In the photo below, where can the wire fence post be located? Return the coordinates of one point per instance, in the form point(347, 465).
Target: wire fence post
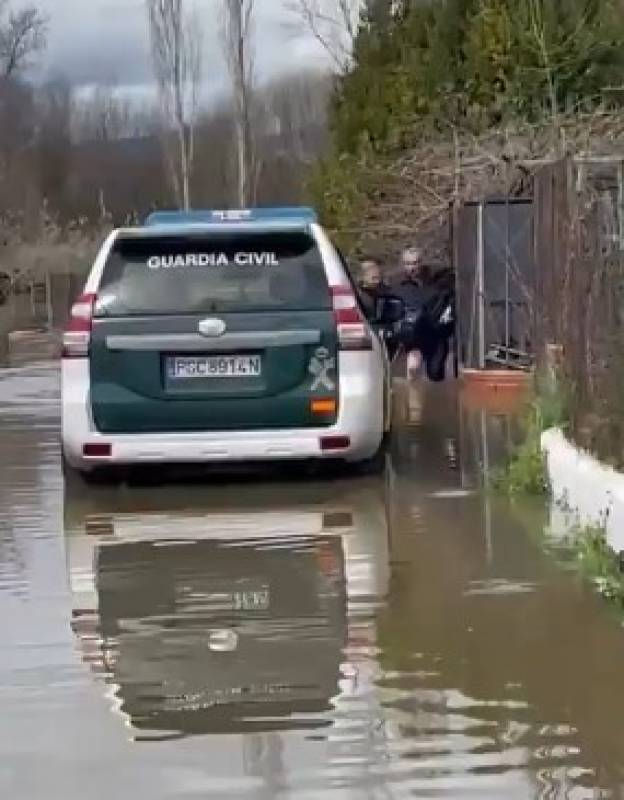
point(507, 292)
point(481, 284)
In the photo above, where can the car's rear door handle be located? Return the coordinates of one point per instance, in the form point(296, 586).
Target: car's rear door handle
point(229, 342)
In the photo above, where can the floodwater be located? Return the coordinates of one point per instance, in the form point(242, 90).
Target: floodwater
point(393, 637)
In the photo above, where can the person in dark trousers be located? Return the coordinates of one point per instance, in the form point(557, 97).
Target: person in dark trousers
point(426, 328)
point(440, 312)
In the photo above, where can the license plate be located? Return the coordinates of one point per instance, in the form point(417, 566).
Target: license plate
point(185, 367)
point(251, 601)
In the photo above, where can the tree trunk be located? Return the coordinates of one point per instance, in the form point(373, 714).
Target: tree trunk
point(242, 164)
point(184, 170)
point(242, 124)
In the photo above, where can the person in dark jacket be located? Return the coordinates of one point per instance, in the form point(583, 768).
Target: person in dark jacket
point(414, 283)
point(371, 287)
point(371, 284)
point(440, 311)
point(412, 288)
point(424, 331)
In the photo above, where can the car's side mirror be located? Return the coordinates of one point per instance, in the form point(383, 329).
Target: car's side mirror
point(389, 309)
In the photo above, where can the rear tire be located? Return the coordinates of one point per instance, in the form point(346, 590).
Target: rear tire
point(102, 476)
point(376, 464)
point(99, 476)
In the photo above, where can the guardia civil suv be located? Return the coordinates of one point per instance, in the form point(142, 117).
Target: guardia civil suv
point(222, 337)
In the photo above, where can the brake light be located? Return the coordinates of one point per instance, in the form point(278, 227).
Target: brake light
point(353, 330)
point(97, 450)
point(77, 334)
point(335, 443)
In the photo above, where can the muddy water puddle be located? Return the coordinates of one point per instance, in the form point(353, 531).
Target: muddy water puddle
point(392, 637)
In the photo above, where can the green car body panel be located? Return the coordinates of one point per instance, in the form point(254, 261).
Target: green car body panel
point(131, 391)
point(199, 296)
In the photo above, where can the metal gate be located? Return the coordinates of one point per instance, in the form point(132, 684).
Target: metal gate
point(495, 272)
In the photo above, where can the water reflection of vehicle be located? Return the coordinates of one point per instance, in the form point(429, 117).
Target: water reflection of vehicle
point(224, 610)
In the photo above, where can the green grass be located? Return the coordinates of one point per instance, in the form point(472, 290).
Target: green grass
point(599, 563)
point(526, 472)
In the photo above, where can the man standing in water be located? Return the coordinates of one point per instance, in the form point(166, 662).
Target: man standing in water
point(428, 325)
point(415, 291)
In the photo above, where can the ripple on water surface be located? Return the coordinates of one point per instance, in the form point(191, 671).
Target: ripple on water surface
point(367, 638)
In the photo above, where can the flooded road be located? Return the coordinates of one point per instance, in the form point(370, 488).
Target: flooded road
point(392, 637)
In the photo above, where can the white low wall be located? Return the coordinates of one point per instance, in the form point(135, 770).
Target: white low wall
point(585, 491)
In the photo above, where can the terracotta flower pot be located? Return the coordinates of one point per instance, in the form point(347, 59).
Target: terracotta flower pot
point(494, 389)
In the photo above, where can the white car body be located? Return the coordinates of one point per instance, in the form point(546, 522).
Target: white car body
point(363, 416)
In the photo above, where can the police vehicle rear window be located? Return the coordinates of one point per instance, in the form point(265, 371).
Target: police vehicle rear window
point(195, 274)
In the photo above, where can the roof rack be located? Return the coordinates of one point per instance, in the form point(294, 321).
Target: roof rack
point(292, 214)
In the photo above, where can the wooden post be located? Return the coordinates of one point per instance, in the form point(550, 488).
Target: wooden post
point(5, 327)
point(49, 305)
point(553, 363)
point(620, 175)
point(4, 346)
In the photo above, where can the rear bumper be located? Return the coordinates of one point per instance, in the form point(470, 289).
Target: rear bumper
point(361, 418)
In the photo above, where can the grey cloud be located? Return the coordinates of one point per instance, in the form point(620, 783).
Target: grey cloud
point(106, 41)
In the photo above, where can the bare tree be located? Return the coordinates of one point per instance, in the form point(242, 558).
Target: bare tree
point(18, 123)
point(23, 33)
point(106, 115)
point(176, 56)
point(237, 24)
point(297, 112)
point(54, 146)
point(333, 23)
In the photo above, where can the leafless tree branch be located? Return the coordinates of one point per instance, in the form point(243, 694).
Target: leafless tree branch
point(333, 23)
point(237, 28)
point(23, 33)
point(176, 40)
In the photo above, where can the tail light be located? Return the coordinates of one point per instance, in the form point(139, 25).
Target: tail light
point(335, 443)
point(353, 330)
point(77, 334)
point(97, 450)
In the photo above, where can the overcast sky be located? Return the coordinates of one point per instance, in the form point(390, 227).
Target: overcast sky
point(106, 41)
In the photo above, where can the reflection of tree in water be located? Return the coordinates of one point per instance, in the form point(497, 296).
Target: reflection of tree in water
point(12, 562)
point(12, 557)
point(28, 499)
point(263, 758)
